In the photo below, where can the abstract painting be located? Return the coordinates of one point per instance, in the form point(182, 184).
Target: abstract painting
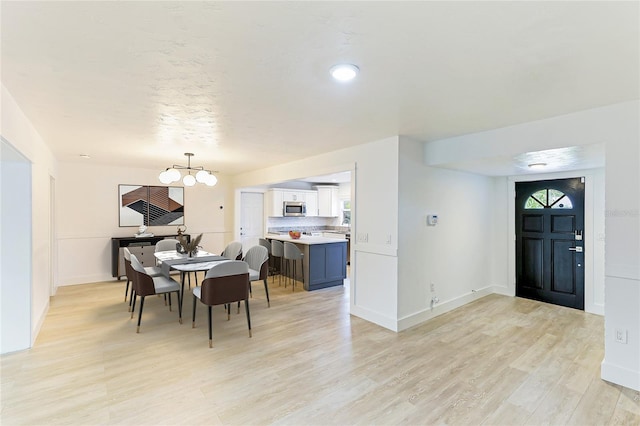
point(151, 205)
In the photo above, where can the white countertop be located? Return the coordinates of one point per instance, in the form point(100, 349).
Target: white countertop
point(305, 239)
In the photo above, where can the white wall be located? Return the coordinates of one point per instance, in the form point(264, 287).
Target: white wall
point(18, 131)
point(15, 250)
point(617, 126)
point(374, 181)
point(455, 254)
point(87, 214)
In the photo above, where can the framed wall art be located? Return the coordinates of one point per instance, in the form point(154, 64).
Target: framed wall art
point(150, 205)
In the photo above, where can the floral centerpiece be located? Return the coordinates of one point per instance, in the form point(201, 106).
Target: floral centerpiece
point(190, 247)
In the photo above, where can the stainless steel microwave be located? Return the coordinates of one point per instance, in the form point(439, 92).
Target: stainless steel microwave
point(294, 208)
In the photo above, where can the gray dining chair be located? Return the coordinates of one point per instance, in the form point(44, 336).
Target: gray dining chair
point(257, 258)
point(154, 271)
point(146, 285)
point(233, 251)
point(167, 244)
point(223, 284)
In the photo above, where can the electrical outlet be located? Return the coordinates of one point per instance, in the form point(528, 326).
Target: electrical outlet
point(433, 288)
point(389, 239)
point(363, 237)
point(621, 336)
point(434, 300)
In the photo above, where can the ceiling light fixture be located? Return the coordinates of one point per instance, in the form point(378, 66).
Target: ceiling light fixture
point(344, 72)
point(537, 166)
point(172, 174)
point(85, 156)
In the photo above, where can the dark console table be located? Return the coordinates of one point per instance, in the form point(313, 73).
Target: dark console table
point(142, 248)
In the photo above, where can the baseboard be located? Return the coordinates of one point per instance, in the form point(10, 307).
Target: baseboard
point(505, 291)
point(86, 279)
point(374, 317)
point(39, 323)
point(620, 376)
point(441, 308)
point(595, 309)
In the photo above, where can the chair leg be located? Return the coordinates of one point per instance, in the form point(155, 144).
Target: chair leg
point(140, 313)
point(126, 290)
point(180, 307)
point(293, 284)
point(193, 321)
point(238, 307)
point(165, 299)
point(266, 290)
point(169, 296)
point(131, 294)
point(228, 306)
point(210, 329)
point(133, 306)
point(246, 308)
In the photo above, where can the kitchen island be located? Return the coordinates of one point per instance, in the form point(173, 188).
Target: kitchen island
point(324, 263)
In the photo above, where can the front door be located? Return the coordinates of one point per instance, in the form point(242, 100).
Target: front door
point(550, 241)
point(251, 219)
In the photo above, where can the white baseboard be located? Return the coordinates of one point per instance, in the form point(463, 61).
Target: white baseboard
point(86, 279)
point(441, 308)
point(620, 376)
point(505, 291)
point(39, 322)
point(374, 317)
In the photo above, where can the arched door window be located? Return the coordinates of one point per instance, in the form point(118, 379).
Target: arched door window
point(548, 199)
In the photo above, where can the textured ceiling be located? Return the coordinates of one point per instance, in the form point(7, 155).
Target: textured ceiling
point(244, 85)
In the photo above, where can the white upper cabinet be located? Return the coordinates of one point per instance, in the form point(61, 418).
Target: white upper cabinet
point(311, 198)
point(275, 197)
point(328, 201)
point(273, 202)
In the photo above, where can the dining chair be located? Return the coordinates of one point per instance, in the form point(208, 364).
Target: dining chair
point(257, 258)
point(154, 271)
point(293, 253)
point(166, 244)
point(233, 251)
point(146, 285)
point(223, 284)
point(277, 251)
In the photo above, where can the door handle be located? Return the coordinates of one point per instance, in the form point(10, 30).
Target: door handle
point(576, 249)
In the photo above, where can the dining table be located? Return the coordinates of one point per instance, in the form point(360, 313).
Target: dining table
point(173, 260)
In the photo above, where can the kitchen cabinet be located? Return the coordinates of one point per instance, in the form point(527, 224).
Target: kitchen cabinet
point(328, 201)
point(275, 197)
point(273, 202)
point(311, 199)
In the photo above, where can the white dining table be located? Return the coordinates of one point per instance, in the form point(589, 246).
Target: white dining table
point(202, 261)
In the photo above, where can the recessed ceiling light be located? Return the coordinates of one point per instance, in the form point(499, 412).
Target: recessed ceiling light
point(537, 166)
point(344, 72)
point(85, 156)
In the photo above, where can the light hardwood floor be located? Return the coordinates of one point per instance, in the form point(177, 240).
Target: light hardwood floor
point(497, 361)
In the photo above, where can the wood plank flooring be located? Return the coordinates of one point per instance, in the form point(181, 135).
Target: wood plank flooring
point(497, 361)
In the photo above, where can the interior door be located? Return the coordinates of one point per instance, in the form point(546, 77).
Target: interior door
point(549, 241)
point(251, 219)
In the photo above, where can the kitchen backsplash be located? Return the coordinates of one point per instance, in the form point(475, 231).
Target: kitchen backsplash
point(304, 224)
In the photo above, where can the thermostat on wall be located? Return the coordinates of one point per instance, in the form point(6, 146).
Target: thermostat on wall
point(432, 219)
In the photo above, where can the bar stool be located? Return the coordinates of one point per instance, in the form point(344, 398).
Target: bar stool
point(266, 244)
point(292, 252)
point(277, 252)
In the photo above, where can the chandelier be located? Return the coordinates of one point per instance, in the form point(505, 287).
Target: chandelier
point(172, 174)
